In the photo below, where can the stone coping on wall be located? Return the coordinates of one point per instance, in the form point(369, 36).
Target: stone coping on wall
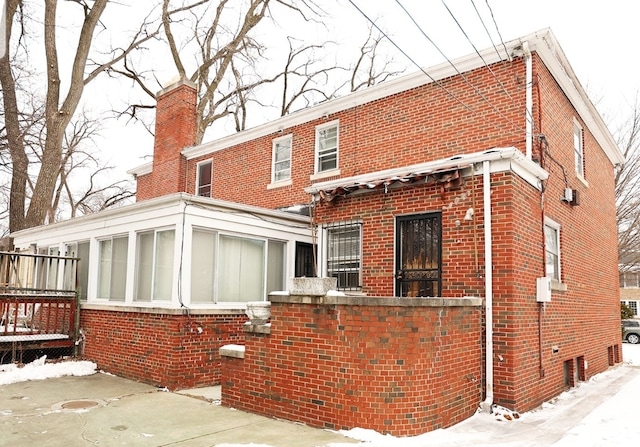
point(358, 300)
point(163, 310)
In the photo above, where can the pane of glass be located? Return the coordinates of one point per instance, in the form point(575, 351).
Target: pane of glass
point(275, 266)
point(119, 268)
point(163, 274)
point(202, 266)
point(241, 270)
point(104, 269)
point(52, 269)
point(83, 269)
point(145, 266)
point(283, 150)
point(204, 179)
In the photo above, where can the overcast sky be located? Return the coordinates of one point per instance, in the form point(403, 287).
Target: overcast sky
point(599, 38)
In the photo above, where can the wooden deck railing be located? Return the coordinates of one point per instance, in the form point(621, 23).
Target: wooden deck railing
point(38, 302)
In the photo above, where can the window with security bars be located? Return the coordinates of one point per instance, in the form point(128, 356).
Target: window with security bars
point(327, 147)
point(344, 254)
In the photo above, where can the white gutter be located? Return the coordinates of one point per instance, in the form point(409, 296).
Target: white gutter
point(488, 285)
point(528, 99)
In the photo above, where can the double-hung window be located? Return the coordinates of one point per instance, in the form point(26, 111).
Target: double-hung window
point(205, 174)
point(578, 148)
point(154, 275)
point(344, 254)
point(552, 249)
point(112, 270)
point(326, 147)
point(281, 168)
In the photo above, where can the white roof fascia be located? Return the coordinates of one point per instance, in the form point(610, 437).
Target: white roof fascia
point(157, 208)
point(378, 91)
point(547, 47)
point(502, 159)
point(146, 168)
point(542, 42)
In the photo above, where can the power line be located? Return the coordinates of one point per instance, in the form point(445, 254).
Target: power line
point(410, 58)
point(462, 74)
point(497, 30)
point(439, 84)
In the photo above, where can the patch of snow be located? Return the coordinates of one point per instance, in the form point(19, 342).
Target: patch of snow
point(40, 370)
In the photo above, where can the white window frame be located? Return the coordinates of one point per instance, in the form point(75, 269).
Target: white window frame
point(99, 269)
point(217, 258)
point(153, 293)
point(319, 130)
point(274, 162)
point(556, 227)
point(578, 148)
point(198, 179)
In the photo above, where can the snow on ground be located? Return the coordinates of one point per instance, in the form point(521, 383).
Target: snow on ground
point(599, 412)
point(39, 370)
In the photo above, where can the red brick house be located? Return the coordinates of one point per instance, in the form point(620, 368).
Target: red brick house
point(467, 212)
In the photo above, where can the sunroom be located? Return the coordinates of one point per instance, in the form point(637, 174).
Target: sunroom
point(177, 251)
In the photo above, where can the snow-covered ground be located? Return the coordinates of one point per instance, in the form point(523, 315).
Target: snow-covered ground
point(600, 412)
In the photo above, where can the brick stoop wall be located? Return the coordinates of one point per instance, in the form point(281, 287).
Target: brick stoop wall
point(402, 366)
point(162, 347)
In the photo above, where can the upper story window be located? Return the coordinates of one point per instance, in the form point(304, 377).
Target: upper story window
point(552, 249)
point(281, 167)
point(326, 147)
point(112, 270)
point(205, 174)
point(578, 148)
point(630, 280)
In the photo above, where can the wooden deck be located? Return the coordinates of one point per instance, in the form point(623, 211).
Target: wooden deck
point(38, 306)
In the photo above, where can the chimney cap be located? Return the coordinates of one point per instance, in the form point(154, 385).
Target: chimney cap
point(174, 83)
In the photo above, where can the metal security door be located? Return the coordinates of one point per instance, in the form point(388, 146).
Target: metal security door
point(419, 255)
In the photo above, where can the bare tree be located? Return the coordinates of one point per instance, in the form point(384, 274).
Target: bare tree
point(628, 191)
point(371, 67)
point(59, 104)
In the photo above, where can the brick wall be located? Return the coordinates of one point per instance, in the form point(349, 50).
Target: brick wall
point(398, 366)
point(169, 349)
point(175, 130)
point(418, 125)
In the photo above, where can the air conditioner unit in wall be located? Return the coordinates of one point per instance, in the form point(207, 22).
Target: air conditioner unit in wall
point(543, 294)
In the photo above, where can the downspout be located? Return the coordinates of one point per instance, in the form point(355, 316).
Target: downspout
point(488, 287)
point(528, 99)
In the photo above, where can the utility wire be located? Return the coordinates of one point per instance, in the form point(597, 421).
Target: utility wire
point(439, 84)
point(515, 126)
point(488, 33)
point(373, 23)
point(498, 31)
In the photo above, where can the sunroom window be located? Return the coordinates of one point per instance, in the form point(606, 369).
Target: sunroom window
point(154, 276)
point(112, 270)
point(228, 268)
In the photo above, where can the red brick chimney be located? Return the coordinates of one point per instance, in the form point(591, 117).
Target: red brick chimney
point(175, 130)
